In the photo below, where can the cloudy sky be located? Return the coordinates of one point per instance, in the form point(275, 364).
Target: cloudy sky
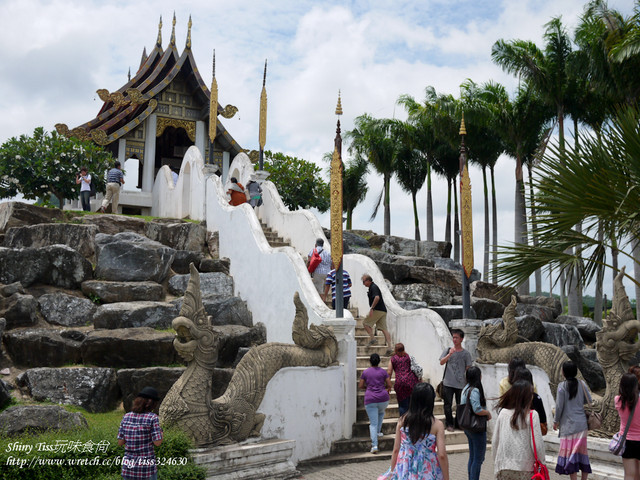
point(55, 54)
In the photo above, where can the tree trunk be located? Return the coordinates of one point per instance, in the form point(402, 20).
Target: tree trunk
point(520, 224)
point(447, 228)
point(415, 216)
point(494, 219)
point(574, 293)
point(429, 206)
point(636, 274)
point(597, 305)
point(349, 217)
point(387, 206)
point(485, 259)
point(534, 236)
point(456, 223)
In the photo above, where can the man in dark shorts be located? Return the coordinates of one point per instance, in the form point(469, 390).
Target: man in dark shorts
point(458, 360)
point(377, 316)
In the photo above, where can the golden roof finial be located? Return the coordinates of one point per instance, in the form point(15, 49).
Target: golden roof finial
point(173, 30)
point(129, 75)
point(463, 130)
point(264, 76)
point(189, 33)
point(159, 41)
point(339, 105)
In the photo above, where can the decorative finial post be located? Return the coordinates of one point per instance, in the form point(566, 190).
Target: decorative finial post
point(173, 30)
point(159, 40)
point(213, 110)
point(262, 134)
point(188, 45)
point(336, 213)
point(466, 227)
point(129, 75)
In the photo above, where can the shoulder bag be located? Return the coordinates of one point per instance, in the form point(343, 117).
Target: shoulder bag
point(440, 387)
point(594, 419)
point(315, 260)
point(416, 368)
point(619, 442)
point(540, 470)
point(468, 419)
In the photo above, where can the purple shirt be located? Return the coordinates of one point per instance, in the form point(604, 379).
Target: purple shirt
point(376, 392)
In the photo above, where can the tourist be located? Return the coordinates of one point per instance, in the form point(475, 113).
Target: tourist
point(625, 402)
point(419, 450)
point(474, 393)
point(377, 316)
point(115, 178)
point(255, 193)
point(635, 369)
point(375, 381)
point(514, 364)
point(319, 265)
point(174, 176)
point(536, 404)
point(84, 179)
point(236, 191)
point(457, 360)
point(330, 282)
point(511, 443)
point(406, 380)
point(139, 431)
point(572, 420)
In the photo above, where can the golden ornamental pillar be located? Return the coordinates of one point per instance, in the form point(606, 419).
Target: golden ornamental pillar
point(467, 223)
point(336, 213)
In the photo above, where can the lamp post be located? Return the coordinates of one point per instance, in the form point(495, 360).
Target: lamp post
point(336, 213)
point(466, 224)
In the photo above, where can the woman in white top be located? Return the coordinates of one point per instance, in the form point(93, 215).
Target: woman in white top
point(512, 443)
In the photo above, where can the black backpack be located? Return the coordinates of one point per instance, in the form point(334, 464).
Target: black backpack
point(92, 187)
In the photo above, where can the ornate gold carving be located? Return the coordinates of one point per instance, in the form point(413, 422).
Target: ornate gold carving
point(189, 33)
point(467, 221)
point(99, 136)
point(173, 30)
point(213, 104)
point(262, 136)
point(134, 97)
point(164, 122)
point(336, 208)
point(63, 130)
point(159, 41)
point(79, 133)
point(254, 156)
point(229, 111)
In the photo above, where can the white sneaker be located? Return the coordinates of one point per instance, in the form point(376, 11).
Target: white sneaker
point(380, 434)
point(374, 450)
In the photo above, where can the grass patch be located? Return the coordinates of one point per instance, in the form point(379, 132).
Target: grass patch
point(91, 453)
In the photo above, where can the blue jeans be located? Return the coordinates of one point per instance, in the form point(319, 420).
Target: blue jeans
point(86, 200)
point(477, 449)
point(375, 411)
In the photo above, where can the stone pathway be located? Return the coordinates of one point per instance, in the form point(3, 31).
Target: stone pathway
point(371, 470)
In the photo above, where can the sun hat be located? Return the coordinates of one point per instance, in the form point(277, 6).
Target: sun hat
point(150, 393)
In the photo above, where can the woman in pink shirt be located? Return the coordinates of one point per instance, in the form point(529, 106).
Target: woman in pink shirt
point(624, 402)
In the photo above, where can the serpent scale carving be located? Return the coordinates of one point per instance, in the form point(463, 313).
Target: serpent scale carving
point(233, 417)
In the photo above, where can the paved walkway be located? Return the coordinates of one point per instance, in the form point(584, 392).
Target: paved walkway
point(371, 470)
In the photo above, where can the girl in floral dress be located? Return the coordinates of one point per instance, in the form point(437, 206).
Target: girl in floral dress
point(419, 451)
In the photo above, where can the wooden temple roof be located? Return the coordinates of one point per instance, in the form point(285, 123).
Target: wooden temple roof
point(126, 108)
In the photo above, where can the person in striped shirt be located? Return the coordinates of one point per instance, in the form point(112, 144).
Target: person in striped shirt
point(115, 178)
point(330, 281)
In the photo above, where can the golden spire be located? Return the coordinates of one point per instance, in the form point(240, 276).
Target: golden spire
point(173, 30)
point(339, 105)
point(262, 135)
point(463, 130)
point(189, 34)
point(159, 41)
point(213, 104)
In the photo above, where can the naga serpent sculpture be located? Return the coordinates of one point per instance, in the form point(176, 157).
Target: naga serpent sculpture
point(616, 345)
point(233, 417)
point(497, 344)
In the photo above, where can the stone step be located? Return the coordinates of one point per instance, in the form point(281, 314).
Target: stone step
point(360, 399)
point(361, 427)
point(367, 350)
point(456, 442)
point(363, 340)
point(362, 361)
point(391, 412)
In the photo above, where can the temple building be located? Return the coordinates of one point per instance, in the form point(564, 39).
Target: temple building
point(156, 116)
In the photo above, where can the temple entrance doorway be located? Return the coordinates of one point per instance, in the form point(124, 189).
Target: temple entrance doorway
point(171, 147)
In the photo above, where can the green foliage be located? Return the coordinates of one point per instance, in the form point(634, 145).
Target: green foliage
point(103, 463)
point(46, 164)
point(298, 181)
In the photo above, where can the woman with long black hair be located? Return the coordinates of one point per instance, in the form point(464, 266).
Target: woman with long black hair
point(572, 420)
point(474, 394)
point(419, 451)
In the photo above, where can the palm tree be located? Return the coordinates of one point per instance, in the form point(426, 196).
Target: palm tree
point(370, 140)
point(354, 186)
point(411, 163)
point(520, 124)
point(598, 185)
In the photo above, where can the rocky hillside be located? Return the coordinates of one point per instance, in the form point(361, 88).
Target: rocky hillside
point(86, 304)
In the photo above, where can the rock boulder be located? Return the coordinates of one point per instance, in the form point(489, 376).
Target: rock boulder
point(132, 380)
point(210, 265)
point(112, 292)
point(545, 314)
point(113, 224)
point(66, 310)
point(216, 283)
point(494, 292)
point(421, 292)
point(562, 335)
point(552, 303)
point(179, 236)
point(586, 326)
point(135, 314)
point(19, 310)
point(94, 389)
point(41, 347)
point(18, 214)
point(39, 418)
point(232, 337)
point(79, 237)
point(486, 308)
point(129, 257)
point(406, 246)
